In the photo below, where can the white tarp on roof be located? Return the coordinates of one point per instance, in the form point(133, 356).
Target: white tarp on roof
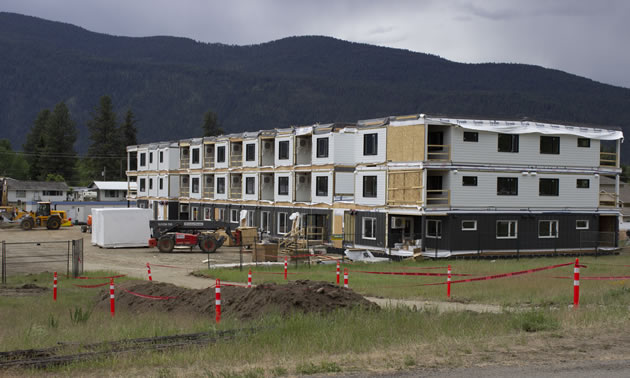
point(526, 127)
point(120, 228)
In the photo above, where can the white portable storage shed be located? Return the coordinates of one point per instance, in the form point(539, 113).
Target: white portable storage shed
point(120, 228)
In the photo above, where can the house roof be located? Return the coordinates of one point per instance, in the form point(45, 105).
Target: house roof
point(108, 185)
point(14, 184)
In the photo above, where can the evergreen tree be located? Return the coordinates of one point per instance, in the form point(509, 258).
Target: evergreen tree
point(12, 164)
point(104, 152)
point(34, 146)
point(211, 126)
point(129, 133)
point(60, 134)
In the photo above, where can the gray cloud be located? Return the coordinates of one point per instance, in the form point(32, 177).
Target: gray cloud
point(583, 37)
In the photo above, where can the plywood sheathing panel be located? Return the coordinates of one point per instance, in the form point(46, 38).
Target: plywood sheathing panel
point(405, 143)
point(404, 188)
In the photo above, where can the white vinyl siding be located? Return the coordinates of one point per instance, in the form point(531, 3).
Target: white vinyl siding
point(329, 192)
point(283, 162)
point(342, 148)
point(344, 183)
point(485, 193)
point(173, 186)
point(254, 196)
point(485, 151)
point(282, 197)
point(253, 163)
point(218, 195)
point(217, 147)
point(381, 146)
point(380, 188)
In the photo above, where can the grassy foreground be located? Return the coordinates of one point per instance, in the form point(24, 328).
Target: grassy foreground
point(343, 341)
point(540, 288)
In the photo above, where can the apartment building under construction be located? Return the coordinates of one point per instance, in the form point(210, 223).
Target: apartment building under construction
point(445, 186)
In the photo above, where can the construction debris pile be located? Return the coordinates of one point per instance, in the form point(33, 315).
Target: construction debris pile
point(238, 302)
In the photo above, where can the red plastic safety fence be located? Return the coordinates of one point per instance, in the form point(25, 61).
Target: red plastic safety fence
point(413, 273)
point(283, 273)
point(156, 297)
point(596, 278)
point(217, 300)
point(504, 275)
point(171, 266)
point(91, 286)
point(55, 287)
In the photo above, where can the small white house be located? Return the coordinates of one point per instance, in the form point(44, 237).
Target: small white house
point(26, 194)
point(109, 191)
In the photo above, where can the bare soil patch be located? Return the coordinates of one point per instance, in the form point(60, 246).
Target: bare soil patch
point(238, 302)
point(28, 289)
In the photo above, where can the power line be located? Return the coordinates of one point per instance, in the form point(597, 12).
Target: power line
point(60, 155)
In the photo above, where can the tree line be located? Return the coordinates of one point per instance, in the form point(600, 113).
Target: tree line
point(49, 150)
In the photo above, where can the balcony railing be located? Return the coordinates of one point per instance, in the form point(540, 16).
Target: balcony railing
point(607, 199)
point(236, 161)
point(439, 198)
point(236, 192)
point(184, 163)
point(440, 152)
point(208, 162)
point(608, 159)
point(208, 192)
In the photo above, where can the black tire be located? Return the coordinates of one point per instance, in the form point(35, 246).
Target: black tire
point(166, 244)
point(27, 224)
point(208, 244)
point(53, 223)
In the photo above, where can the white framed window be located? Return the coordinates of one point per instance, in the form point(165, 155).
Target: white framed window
point(221, 214)
point(183, 208)
point(20, 193)
point(234, 216)
point(369, 228)
point(469, 225)
point(207, 213)
point(194, 215)
point(581, 224)
point(507, 229)
point(264, 221)
point(547, 229)
point(282, 223)
point(434, 229)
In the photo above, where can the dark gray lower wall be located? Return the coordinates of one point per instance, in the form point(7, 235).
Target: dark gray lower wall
point(485, 236)
point(379, 241)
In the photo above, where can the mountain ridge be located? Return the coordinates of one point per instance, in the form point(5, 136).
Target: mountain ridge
point(169, 82)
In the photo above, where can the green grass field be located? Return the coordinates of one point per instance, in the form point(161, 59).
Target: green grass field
point(347, 341)
point(540, 288)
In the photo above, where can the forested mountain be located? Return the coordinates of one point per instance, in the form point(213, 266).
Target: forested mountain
point(170, 83)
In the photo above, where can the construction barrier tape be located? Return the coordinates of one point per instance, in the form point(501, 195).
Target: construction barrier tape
point(147, 296)
point(504, 275)
point(612, 278)
point(414, 268)
point(91, 286)
point(274, 272)
point(414, 273)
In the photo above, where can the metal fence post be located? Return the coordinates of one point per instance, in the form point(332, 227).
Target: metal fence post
point(4, 263)
point(68, 258)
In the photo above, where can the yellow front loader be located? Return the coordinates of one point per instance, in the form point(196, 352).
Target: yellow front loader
point(43, 217)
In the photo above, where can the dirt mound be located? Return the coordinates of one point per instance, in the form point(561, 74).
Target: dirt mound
point(239, 302)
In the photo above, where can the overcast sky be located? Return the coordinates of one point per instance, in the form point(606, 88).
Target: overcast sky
point(589, 38)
